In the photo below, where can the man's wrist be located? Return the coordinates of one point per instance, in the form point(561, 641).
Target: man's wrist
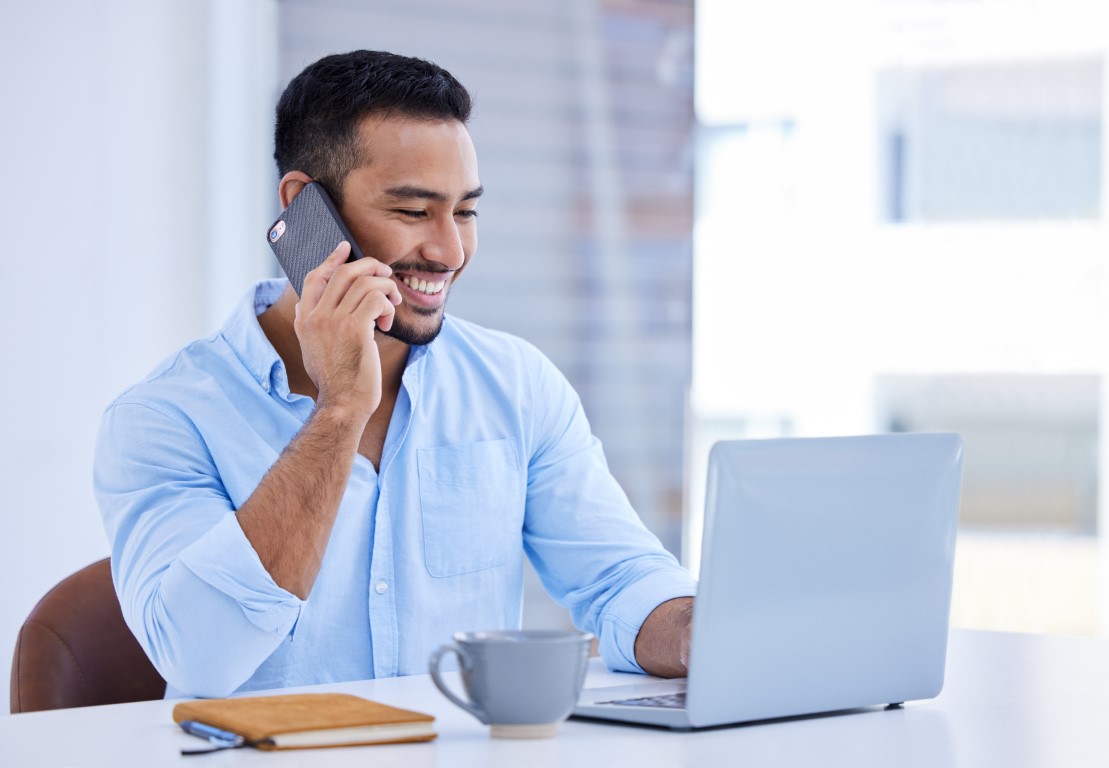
point(659, 644)
point(341, 416)
point(342, 411)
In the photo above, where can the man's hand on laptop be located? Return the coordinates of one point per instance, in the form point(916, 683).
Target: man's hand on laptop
point(662, 646)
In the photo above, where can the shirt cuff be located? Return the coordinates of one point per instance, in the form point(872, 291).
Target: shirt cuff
point(624, 616)
point(225, 559)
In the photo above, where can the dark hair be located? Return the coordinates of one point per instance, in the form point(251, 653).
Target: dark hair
point(319, 113)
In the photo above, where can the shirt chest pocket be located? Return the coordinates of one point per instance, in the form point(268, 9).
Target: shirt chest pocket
point(471, 505)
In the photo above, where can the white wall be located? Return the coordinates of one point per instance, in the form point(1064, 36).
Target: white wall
point(136, 138)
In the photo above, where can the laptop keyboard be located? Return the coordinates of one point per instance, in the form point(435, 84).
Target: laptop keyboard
point(666, 700)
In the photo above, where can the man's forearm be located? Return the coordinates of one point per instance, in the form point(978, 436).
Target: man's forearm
point(662, 645)
point(288, 518)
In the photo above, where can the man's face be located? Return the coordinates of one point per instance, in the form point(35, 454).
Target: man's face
point(412, 207)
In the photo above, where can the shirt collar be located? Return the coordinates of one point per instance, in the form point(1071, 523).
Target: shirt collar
point(246, 338)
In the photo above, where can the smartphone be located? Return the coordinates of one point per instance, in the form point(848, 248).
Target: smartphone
point(307, 232)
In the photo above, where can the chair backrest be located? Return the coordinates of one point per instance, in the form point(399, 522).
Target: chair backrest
point(75, 650)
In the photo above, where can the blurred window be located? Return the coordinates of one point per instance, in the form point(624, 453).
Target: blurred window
point(900, 225)
point(1010, 140)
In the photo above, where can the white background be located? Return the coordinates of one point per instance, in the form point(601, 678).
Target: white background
point(118, 237)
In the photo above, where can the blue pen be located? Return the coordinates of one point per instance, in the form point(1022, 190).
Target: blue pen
point(219, 737)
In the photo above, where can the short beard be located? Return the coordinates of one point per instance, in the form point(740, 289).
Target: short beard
point(416, 336)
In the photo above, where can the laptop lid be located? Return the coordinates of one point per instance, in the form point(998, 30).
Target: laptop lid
point(825, 579)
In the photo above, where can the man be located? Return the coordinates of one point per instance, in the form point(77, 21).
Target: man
point(334, 483)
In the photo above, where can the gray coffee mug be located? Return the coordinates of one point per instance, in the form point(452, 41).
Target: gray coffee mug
point(522, 683)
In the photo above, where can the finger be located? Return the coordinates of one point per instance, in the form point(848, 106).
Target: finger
point(381, 268)
point(360, 287)
point(342, 278)
point(315, 282)
point(376, 308)
point(338, 256)
point(385, 319)
point(394, 293)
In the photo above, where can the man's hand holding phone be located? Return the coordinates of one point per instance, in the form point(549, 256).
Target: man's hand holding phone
point(339, 308)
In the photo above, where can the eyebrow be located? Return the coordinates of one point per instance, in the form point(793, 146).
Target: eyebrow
point(408, 192)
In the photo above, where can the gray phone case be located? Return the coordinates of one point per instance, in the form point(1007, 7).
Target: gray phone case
point(307, 232)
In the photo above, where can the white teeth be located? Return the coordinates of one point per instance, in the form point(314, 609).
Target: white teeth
point(423, 286)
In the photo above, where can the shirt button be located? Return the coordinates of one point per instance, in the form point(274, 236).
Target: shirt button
point(381, 587)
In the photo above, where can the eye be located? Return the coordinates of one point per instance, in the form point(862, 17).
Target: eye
point(469, 213)
point(412, 214)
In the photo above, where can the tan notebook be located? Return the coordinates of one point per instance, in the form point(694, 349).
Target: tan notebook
point(301, 720)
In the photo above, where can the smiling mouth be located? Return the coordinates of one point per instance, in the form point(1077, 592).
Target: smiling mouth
point(424, 286)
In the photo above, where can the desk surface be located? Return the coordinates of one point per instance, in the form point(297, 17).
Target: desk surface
point(1010, 700)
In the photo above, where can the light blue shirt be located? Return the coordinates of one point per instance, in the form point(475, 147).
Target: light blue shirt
point(488, 456)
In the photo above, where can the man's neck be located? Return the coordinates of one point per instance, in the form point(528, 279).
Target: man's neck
point(277, 324)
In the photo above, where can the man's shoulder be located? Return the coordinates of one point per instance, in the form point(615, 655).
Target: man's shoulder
point(187, 373)
point(213, 367)
point(464, 334)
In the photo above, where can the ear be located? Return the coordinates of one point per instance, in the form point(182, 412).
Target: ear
point(290, 186)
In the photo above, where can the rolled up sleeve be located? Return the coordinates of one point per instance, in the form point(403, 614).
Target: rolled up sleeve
point(190, 584)
point(589, 547)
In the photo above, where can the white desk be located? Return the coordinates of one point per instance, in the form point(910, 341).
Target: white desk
point(1010, 701)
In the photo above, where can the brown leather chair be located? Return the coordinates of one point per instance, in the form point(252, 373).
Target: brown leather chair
point(75, 650)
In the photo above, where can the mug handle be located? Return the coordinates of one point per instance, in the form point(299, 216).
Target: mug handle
point(470, 707)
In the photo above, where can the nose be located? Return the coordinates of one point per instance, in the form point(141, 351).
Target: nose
point(446, 245)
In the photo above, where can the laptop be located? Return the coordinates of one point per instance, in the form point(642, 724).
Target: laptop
point(825, 583)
